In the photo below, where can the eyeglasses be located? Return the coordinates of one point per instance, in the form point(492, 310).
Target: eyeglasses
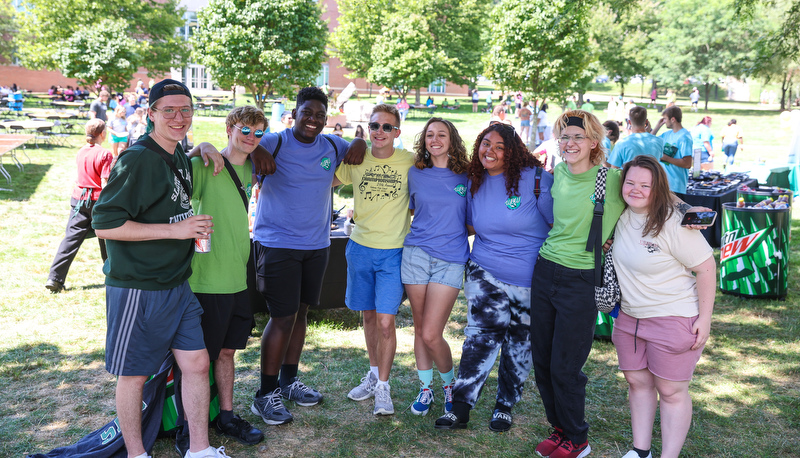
point(171, 112)
point(246, 131)
point(575, 138)
point(374, 126)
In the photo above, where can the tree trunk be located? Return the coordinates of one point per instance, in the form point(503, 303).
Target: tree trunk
point(257, 96)
point(785, 85)
point(417, 96)
point(708, 89)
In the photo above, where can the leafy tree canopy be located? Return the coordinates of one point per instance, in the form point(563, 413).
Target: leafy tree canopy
point(148, 24)
point(264, 45)
point(8, 28)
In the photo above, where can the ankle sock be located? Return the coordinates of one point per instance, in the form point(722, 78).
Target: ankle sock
point(268, 384)
point(201, 453)
point(641, 453)
point(225, 416)
point(426, 377)
point(502, 407)
point(374, 370)
point(288, 374)
point(461, 410)
point(447, 377)
point(380, 383)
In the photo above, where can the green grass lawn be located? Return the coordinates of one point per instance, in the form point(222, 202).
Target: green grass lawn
point(54, 388)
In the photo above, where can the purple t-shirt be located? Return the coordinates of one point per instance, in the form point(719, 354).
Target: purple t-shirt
point(294, 207)
point(510, 230)
point(438, 198)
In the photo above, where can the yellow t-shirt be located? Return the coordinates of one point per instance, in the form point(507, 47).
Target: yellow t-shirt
point(380, 194)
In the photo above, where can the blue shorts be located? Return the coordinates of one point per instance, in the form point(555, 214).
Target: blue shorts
point(373, 279)
point(525, 123)
point(420, 268)
point(143, 325)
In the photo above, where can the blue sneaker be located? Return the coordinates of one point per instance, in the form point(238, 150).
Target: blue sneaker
point(448, 398)
point(422, 404)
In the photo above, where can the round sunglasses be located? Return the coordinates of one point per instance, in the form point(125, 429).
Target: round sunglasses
point(246, 131)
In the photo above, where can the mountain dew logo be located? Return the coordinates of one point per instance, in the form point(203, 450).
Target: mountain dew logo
point(325, 163)
point(513, 202)
point(461, 190)
point(733, 247)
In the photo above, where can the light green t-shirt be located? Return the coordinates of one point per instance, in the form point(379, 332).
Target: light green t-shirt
point(223, 270)
point(573, 209)
point(380, 195)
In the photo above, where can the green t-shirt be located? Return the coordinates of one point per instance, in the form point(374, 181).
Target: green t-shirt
point(573, 209)
point(223, 270)
point(142, 188)
point(380, 198)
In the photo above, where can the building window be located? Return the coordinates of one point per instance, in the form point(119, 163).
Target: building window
point(190, 24)
point(197, 77)
point(438, 86)
point(324, 76)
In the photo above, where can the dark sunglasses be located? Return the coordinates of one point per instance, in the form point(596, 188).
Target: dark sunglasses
point(374, 126)
point(246, 131)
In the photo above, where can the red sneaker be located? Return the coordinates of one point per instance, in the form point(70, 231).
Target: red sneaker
point(549, 445)
point(569, 450)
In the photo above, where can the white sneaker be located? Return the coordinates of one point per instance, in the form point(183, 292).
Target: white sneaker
point(383, 401)
point(366, 389)
point(210, 452)
point(633, 454)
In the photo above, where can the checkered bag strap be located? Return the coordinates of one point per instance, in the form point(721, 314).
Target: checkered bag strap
point(595, 240)
point(608, 295)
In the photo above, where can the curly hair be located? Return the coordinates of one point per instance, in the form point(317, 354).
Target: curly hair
point(594, 131)
point(247, 115)
point(457, 155)
point(311, 93)
point(515, 158)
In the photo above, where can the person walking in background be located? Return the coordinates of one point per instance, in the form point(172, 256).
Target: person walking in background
point(587, 106)
point(701, 143)
point(638, 142)
point(671, 98)
point(694, 97)
point(375, 250)
point(475, 99)
point(541, 124)
point(510, 210)
point(677, 157)
point(99, 108)
point(653, 97)
point(525, 122)
point(731, 141)
point(667, 277)
point(434, 252)
point(118, 127)
point(94, 166)
point(403, 107)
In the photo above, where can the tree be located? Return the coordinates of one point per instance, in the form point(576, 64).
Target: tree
point(8, 27)
point(696, 41)
point(264, 45)
point(150, 24)
point(622, 36)
point(542, 55)
point(385, 42)
point(99, 51)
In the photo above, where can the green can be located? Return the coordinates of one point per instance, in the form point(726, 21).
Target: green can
point(754, 257)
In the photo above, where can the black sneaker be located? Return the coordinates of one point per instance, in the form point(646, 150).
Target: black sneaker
point(239, 429)
point(181, 443)
point(54, 286)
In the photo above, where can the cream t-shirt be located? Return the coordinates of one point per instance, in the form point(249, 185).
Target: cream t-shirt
point(654, 273)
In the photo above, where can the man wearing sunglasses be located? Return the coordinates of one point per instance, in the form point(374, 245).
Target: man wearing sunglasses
point(145, 215)
point(219, 277)
point(375, 249)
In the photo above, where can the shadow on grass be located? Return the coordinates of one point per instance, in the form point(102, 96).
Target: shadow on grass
point(23, 183)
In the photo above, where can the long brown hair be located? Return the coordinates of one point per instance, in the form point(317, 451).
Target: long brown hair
point(457, 155)
point(515, 157)
point(660, 208)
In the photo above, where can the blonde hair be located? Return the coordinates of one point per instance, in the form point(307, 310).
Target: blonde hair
point(247, 115)
point(591, 125)
point(94, 128)
point(384, 108)
point(120, 111)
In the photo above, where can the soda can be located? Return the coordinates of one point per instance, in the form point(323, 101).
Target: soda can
point(202, 245)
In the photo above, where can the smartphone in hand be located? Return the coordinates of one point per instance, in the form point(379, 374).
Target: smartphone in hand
point(699, 218)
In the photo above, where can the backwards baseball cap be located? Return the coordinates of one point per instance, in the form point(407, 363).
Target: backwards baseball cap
point(160, 90)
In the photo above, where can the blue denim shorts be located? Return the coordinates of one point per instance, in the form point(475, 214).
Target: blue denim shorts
point(420, 268)
point(373, 279)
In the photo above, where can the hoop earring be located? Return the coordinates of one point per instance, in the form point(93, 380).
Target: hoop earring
point(427, 155)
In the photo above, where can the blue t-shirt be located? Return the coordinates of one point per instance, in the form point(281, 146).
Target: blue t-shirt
point(701, 133)
point(438, 198)
point(635, 145)
point(294, 207)
point(677, 145)
point(607, 145)
point(510, 230)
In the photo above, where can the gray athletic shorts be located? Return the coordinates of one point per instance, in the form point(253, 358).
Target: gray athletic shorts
point(143, 325)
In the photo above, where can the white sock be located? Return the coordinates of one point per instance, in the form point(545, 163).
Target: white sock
point(210, 450)
point(143, 455)
point(374, 370)
point(380, 383)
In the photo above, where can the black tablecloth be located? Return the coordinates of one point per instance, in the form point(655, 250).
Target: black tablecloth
point(714, 233)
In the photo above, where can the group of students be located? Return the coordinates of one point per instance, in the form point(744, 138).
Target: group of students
point(528, 280)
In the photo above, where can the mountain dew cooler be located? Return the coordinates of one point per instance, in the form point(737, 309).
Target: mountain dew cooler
point(754, 257)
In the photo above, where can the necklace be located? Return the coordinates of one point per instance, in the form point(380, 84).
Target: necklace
point(633, 219)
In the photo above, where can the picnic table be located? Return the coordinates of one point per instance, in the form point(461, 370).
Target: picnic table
point(61, 103)
point(8, 143)
point(418, 109)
